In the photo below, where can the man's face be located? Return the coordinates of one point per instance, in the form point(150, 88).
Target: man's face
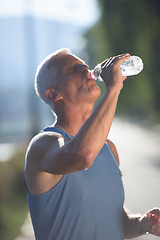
point(73, 81)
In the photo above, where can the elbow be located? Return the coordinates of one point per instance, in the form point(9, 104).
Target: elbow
point(82, 156)
point(85, 159)
point(89, 160)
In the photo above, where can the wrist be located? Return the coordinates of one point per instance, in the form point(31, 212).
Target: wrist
point(118, 85)
point(138, 227)
point(114, 89)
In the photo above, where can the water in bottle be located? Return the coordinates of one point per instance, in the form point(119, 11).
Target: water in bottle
point(131, 66)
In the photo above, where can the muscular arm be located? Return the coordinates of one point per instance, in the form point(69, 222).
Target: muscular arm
point(50, 153)
point(57, 157)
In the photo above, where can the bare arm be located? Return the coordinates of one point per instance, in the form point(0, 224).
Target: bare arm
point(57, 157)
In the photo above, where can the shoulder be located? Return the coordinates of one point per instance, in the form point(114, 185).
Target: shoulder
point(114, 150)
point(36, 178)
point(45, 137)
point(42, 141)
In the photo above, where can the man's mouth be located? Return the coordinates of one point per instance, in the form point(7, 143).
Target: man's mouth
point(90, 76)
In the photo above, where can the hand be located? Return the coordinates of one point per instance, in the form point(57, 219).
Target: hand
point(111, 72)
point(150, 222)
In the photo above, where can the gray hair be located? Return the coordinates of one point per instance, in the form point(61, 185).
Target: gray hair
point(45, 75)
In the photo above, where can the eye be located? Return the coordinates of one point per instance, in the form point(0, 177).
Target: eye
point(84, 69)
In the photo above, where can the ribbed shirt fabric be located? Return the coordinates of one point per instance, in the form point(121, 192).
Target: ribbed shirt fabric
point(84, 205)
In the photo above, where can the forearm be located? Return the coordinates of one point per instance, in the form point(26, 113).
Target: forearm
point(96, 129)
point(92, 135)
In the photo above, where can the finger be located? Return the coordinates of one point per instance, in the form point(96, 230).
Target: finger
point(155, 230)
point(122, 55)
point(110, 61)
point(149, 214)
point(155, 211)
point(155, 215)
point(154, 218)
point(124, 78)
point(119, 60)
point(158, 231)
point(105, 62)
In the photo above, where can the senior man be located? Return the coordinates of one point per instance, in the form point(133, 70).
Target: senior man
point(71, 172)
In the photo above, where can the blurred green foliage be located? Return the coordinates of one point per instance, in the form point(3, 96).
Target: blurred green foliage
point(131, 26)
point(13, 203)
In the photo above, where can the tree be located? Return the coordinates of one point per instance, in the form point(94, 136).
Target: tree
point(131, 26)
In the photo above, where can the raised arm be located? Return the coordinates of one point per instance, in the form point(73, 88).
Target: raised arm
point(51, 154)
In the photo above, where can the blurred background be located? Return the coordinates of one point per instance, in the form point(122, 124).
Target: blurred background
point(94, 30)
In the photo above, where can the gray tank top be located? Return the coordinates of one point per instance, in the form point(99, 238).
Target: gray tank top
point(85, 205)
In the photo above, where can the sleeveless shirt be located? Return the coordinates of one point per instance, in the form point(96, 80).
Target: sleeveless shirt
point(84, 205)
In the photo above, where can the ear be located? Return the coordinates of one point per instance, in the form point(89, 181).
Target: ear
point(53, 95)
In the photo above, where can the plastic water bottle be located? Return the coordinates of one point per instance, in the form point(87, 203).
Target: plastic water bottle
point(131, 66)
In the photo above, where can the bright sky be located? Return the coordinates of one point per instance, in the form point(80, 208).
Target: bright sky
point(82, 12)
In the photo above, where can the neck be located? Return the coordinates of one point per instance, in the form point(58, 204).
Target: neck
point(71, 119)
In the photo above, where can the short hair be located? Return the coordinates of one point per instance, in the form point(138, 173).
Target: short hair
point(46, 74)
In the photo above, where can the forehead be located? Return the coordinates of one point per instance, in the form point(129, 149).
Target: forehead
point(62, 63)
point(67, 60)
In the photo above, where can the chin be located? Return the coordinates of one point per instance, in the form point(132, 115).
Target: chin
point(96, 89)
point(96, 93)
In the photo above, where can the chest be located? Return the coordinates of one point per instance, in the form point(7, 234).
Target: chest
point(101, 182)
